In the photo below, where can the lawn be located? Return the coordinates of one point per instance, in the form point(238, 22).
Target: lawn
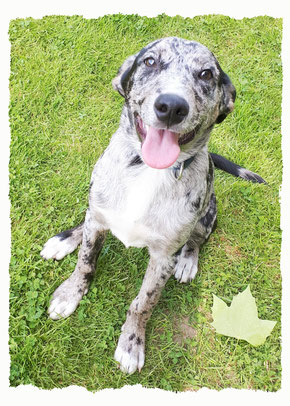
point(63, 112)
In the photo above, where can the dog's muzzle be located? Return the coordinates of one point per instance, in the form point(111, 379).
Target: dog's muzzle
point(170, 109)
point(161, 147)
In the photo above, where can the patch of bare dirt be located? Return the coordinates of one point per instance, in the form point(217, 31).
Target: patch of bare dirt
point(183, 330)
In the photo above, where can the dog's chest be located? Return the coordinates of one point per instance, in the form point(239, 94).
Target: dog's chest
point(127, 220)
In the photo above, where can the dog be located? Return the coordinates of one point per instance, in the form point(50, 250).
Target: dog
point(153, 185)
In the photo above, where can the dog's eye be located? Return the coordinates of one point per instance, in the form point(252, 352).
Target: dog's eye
point(206, 74)
point(150, 62)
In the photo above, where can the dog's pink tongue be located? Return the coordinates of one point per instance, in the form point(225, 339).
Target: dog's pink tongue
point(160, 148)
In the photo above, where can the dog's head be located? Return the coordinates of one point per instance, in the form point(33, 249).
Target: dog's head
point(175, 90)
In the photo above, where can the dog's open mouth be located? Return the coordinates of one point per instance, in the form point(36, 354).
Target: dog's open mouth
point(160, 147)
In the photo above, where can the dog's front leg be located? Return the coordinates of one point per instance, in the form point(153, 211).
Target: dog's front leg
point(68, 295)
point(130, 352)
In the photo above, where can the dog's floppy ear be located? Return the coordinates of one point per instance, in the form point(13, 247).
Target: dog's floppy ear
point(120, 81)
point(228, 97)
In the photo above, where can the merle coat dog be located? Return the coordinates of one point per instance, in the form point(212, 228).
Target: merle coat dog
point(153, 185)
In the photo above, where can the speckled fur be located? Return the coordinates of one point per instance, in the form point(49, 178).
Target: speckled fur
point(146, 207)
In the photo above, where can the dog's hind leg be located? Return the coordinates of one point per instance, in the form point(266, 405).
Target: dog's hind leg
point(187, 257)
point(187, 261)
point(63, 243)
point(68, 295)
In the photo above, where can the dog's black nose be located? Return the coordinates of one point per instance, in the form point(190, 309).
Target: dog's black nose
point(170, 108)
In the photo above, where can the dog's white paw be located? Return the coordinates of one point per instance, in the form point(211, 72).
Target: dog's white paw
point(59, 308)
point(58, 248)
point(130, 353)
point(186, 268)
point(67, 297)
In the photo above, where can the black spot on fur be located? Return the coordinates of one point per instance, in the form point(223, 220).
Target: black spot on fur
point(136, 161)
point(214, 225)
point(174, 44)
point(196, 204)
point(68, 233)
point(210, 174)
point(140, 102)
point(197, 96)
point(178, 252)
point(65, 234)
point(138, 341)
point(125, 78)
point(164, 65)
point(89, 244)
point(89, 276)
point(205, 88)
point(132, 336)
point(88, 259)
point(91, 254)
point(189, 252)
point(208, 219)
point(149, 294)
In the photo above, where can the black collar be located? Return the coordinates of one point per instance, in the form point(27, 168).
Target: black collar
point(178, 170)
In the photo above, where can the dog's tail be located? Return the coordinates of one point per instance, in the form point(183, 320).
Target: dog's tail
point(225, 165)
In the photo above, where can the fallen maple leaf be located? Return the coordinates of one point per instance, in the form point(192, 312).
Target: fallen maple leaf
point(240, 319)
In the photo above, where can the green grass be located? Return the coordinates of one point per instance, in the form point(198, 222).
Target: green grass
point(63, 112)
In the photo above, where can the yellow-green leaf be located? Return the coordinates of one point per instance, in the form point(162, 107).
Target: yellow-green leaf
point(240, 319)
